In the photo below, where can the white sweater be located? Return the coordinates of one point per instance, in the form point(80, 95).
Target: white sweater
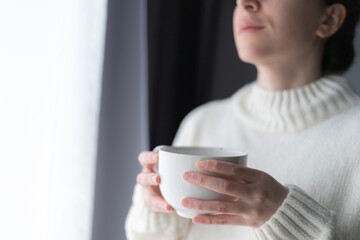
point(307, 138)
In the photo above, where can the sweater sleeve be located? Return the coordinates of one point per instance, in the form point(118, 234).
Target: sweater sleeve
point(299, 217)
point(144, 224)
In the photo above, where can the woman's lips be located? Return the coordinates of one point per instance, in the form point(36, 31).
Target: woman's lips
point(249, 26)
point(250, 29)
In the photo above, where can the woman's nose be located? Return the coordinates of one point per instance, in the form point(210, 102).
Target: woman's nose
point(250, 5)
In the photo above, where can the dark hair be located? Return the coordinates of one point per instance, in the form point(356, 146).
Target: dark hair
point(339, 50)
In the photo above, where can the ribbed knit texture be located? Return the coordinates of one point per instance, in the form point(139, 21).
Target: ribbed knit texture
point(293, 110)
point(144, 224)
point(299, 217)
point(306, 138)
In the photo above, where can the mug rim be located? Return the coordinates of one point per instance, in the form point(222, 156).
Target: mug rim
point(191, 151)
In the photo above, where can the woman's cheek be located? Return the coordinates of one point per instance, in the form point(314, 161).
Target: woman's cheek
point(236, 21)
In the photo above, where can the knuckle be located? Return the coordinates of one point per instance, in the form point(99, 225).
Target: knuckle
point(221, 221)
point(199, 206)
point(222, 207)
point(202, 180)
point(210, 164)
point(236, 171)
point(217, 166)
point(226, 186)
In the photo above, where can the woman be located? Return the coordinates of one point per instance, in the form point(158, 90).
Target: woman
point(299, 125)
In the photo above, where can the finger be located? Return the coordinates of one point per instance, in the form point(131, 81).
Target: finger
point(222, 219)
point(219, 185)
point(229, 169)
point(219, 207)
point(155, 201)
point(147, 159)
point(148, 179)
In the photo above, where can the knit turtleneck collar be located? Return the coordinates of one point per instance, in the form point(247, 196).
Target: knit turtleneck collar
point(295, 109)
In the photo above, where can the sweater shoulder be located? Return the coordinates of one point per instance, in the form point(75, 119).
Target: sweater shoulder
point(200, 120)
point(346, 130)
point(351, 118)
point(209, 110)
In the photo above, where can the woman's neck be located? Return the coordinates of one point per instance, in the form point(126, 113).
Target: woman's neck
point(285, 74)
point(277, 81)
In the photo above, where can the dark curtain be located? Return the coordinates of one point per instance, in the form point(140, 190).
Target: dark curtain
point(186, 40)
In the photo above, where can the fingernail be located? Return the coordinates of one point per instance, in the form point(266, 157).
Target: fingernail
point(154, 157)
point(154, 179)
point(167, 207)
point(202, 163)
point(187, 175)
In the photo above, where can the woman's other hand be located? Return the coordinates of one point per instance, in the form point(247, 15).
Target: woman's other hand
point(254, 196)
point(150, 181)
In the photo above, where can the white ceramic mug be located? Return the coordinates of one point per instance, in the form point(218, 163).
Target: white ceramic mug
point(175, 161)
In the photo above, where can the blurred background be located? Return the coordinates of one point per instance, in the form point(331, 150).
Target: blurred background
point(85, 85)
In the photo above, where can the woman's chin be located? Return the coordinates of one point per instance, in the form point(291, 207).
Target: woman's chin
point(253, 55)
point(251, 59)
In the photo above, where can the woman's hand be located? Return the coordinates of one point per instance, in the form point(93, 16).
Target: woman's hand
point(150, 182)
point(254, 196)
